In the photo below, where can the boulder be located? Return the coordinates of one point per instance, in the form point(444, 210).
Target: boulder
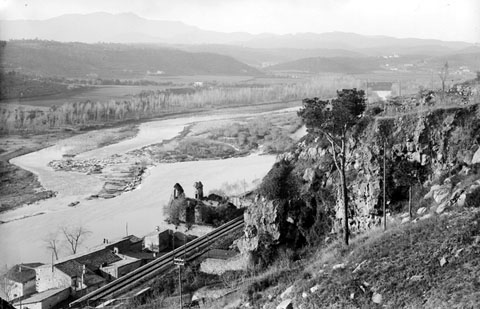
point(286, 304)
point(443, 261)
point(461, 200)
point(476, 157)
point(339, 266)
point(287, 292)
point(405, 220)
point(442, 193)
point(314, 288)
point(432, 190)
point(377, 298)
point(416, 278)
point(441, 208)
point(309, 175)
point(421, 210)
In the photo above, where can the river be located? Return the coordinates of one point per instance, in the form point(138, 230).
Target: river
point(26, 229)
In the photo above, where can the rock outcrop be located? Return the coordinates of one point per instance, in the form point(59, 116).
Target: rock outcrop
point(435, 143)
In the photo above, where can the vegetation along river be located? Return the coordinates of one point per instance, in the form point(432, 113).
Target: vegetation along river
point(25, 230)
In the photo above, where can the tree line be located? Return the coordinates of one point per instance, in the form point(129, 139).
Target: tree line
point(153, 103)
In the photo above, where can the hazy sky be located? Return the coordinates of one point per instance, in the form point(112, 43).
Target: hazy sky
point(439, 19)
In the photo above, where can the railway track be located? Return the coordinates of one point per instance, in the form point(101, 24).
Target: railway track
point(187, 252)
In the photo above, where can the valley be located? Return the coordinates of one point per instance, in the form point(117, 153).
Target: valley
point(298, 168)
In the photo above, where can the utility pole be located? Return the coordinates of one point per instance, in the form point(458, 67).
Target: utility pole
point(384, 180)
point(410, 201)
point(366, 91)
point(179, 263)
point(180, 283)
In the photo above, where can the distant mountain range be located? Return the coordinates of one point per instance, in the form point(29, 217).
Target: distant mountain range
point(130, 28)
point(174, 48)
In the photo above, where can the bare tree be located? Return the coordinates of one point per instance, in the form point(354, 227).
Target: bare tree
point(443, 77)
point(74, 236)
point(52, 244)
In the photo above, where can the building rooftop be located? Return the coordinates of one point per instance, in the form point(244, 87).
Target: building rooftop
point(142, 255)
point(125, 261)
point(74, 269)
point(22, 272)
point(101, 249)
point(98, 258)
point(35, 298)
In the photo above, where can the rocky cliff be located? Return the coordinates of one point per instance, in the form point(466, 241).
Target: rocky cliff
point(426, 151)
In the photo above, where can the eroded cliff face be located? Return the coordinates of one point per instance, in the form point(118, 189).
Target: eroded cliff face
point(439, 142)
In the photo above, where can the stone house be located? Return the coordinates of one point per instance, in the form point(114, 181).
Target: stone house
point(19, 281)
point(44, 300)
point(70, 274)
point(165, 241)
point(122, 267)
point(158, 241)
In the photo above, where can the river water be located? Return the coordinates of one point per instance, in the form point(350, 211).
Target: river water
point(140, 211)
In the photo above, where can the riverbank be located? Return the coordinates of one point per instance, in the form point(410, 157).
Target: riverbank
point(120, 170)
point(25, 228)
point(21, 186)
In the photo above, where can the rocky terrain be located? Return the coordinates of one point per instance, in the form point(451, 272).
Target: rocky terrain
point(432, 162)
point(443, 146)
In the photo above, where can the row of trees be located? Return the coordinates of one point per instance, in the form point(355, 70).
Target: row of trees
point(149, 104)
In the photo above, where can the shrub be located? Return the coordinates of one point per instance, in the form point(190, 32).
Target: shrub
point(473, 199)
point(219, 215)
point(279, 183)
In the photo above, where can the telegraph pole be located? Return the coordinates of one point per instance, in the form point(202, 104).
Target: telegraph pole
point(179, 263)
point(180, 283)
point(384, 180)
point(410, 201)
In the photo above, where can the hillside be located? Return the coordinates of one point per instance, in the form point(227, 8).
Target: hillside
point(50, 58)
point(428, 260)
point(467, 59)
point(431, 263)
point(332, 65)
point(261, 57)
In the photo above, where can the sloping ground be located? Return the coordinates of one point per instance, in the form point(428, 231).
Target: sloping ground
point(51, 58)
point(432, 263)
point(334, 65)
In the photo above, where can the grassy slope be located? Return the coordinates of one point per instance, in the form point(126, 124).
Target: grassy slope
point(391, 259)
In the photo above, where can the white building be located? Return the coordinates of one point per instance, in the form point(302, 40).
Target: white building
point(19, 281)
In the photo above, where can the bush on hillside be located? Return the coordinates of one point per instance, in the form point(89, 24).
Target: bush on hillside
point(279, 183)
point(473, 199)
point(219, 215)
